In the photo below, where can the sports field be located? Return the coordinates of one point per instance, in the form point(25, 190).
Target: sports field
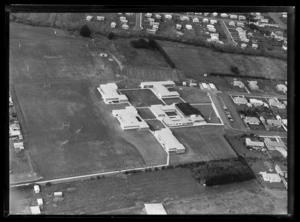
point(208, 113)
point(202, 144)
point(199, 60)
point(192, 94)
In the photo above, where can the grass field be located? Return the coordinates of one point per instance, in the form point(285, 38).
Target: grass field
point(192, 94)
point(155, 124)
point(202, 144)
point(172, 100)
point(94, 141)
point(146, 113)
point(208, 113)
point(199, 60)
point(142, 97)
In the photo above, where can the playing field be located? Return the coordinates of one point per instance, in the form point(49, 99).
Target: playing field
point(72, 132)
point(202, 144)
point(193, 94)
point(199, 60)
point(208, 113)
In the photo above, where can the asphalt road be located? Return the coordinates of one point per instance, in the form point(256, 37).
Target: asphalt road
point(138, 21)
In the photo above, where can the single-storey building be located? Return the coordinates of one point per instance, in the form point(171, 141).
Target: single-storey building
point(238, 83)
point(178, 26)
point(19, 145)
point(284, 121)
point(233, 16)
point(125, 26)
point(274, 122)
point(212, 86)
point(148, 15)
point(270, 177)
point(251, 143)
point(100, 18)
point(113, 25)
point(184, 18)
point(35, 210)
point(40, 201)
point(205, 20)
point(195, 19)
point(273, 145)
point(215, 14)
point(36, 188)
point(110, 94)
point(204, 85)
point(278, 170)
point(276, 103)
point(155, 209)
point(243, 45)
point(232, 23)
point(213, 21)
point(168, 16)
point(251, 120)
point(255, 46)
point(253, 85)
point(158, 16)
point(168, 141)
point(205, 13)
point(281, 87)
point(240, 100)
point(130, 119)
point(224, 15)
point(242, 17)
point(89, 17)
point(189, 27)
point(160, 90)
point(152, 31)
point(256, 102)
point(122, 18)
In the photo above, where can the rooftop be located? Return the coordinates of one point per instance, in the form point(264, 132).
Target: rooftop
point(156, 209)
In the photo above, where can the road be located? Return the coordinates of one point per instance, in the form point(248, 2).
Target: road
point(276, 18)
point(259, 95)
point(138, 21)
point(230, 39)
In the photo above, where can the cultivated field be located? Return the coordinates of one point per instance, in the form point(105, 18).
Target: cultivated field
point(202, 144)
point(192, 94)
point(142, 97)
point(93, 142)
point(199, 60)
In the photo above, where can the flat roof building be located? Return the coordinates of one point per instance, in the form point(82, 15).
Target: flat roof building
point(168, 141)
point(253, 85)
point(160, 90)
point(274, 122)
point(251, 120)
point(251, 143)
point(110, 94)
point(129, 119)
point(155, 209)
point(35, 210)
point(270, 177)
point(256, 102)
point(240, 100)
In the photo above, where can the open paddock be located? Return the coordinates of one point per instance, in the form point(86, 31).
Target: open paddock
point(78, 134)
point(202, 144)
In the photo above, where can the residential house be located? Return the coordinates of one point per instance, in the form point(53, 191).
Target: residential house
point(242, 17)
point(178, 26)
point(270, 177)
point(251, 120)
point(232, 23)
point(224, 15)
point(149, 15)
point(205, 13)
point(251, 143)
point(238, 83)
point(274, 122)
point(233, 16)
point(158, 16)
point(195, 19)
point(100, 18)
point(168, 16)
point(213, 21)
point(125, 26)
point(189, 27)
point(113, 25)
point(243, 45)
point(241, 24)
point(205, 20)
point(240, 100)
point(256, 102)
point(89, 17)
point(264, 20)
point(278, 170)
point(19, 145)
point(281, 87)
point(253, 85)
point(276, 103)
point(215, 14)
point(155, 209)
point(255, 46)
point(151, 31)
point(284, 121)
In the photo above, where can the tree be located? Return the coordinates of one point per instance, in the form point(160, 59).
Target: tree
point(85, 31)
point(111, 35)
point(235, 70)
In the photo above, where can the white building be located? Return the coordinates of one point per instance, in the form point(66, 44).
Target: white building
point(205, 13)
point(36, 188)
point(113, 25)
point(168, 141)
point(35, 210)
point(149, 15)
point(195, 19)
point(276, 103)
point(89, 17)
point(189, 27)
point(100, 18)
point(205, 20)
point(243, 45)
point(242, 17)
point(281, 87)
point(284, 121)
point(155, 209)
point(125, 26)
point(212, 86)
point(158, 16)
point(184, 18)
point(256, 102)
point(232, 23)
point(241, 24)
point(215, 14)
point(251, 143)
point(274, 122)
point(278, 170)
point(10, 102)
point(122, 18)
point(159, 88)
point(224, 15)
point(213, 21)
point(178, 26)
point(233, 16)
point(110, 94)
point(238, 83)
point(240, 100)
point(168, 16)
point(40, 202)
point(19, 145)
point(152, 31)
point(270, 177)
point(251, 120)
point(129, 119)
point(253, 85)
point(255, 46)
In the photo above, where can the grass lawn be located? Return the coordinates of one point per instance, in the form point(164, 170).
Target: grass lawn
point(259, 127)
point(202, 144)
point(207, 112)
point(192, 94)
point(146, 113)
point(198, 60)
point(94, 141)
point(155, 125)
point(142, 97)
point(172, 100)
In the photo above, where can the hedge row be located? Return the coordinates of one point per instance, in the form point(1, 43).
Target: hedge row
point(239, 76)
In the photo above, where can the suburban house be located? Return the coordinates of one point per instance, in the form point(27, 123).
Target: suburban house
point(168, 141)
point(281, 87)
point(232, 23)
point(240, 24)
point(195, 20)
point(113, 25)
point(122, 18)
point(158, 16)
point(125, 26)
point(276, 103)
point(89, 17)
point(35, 210)
point(238, 83)
point(253, 85)
point(270, 177)
point(256, 102)
point(130, 119)
point(224, 15)
point(276, 145)
point(19, 145)
point(160, 90)
point(242, 17)
point(215, 14)
point(179, 114)
point(10, 102)
point(184, 18)
point(14, 130)
point(100, 18)
point(243, 45)
point(233, 16)
point(178, 26)
point(255, 46)
point(110, 94)
point(278, 170)
point(212, 86)
point(189, 27)
point(284, 121)
point(251, 120)
point(274, 122)
point(205, 20)
point(148, 15)
point(240, 100)
point(264, 20)
point(213, 21)
point(179, 34)
point(168, 16)
point(205, 13)
point(152, 31)
point(251, 143)
point(203, 85)
point(156, 209)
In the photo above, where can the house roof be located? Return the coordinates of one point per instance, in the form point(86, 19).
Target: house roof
point(169, 139)
point(155, 209)
point(35, 210)
point(187, 109)
point(271, 177)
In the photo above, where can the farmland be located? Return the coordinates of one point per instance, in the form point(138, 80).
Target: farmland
point(202, 144)
point(198, 60)
point(91, 136)
point(142, 97)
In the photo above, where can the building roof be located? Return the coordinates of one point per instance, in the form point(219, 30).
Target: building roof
point(187, 109)
point(251, 119)
point(109, 91)
point(275, 122)
point(271, 177)
point(271, 143)
point(169, 139)
point(35, 210)
point(156, 209)
point(240, 100)
point(249, 142)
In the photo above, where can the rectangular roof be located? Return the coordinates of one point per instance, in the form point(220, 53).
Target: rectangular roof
point(155, 209)
point(187, 109)
point(170, 140)
point(35, 210)
point(128, 117)
point(110, 91)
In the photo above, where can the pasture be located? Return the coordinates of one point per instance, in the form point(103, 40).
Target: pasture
point(72, 132)
point(141, 97)
point(202, 144)
point(198, 60)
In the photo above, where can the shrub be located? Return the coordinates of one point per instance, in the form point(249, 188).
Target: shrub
point(48, 184)
point(235, 70)
point(85, 31)
point(111, 35)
